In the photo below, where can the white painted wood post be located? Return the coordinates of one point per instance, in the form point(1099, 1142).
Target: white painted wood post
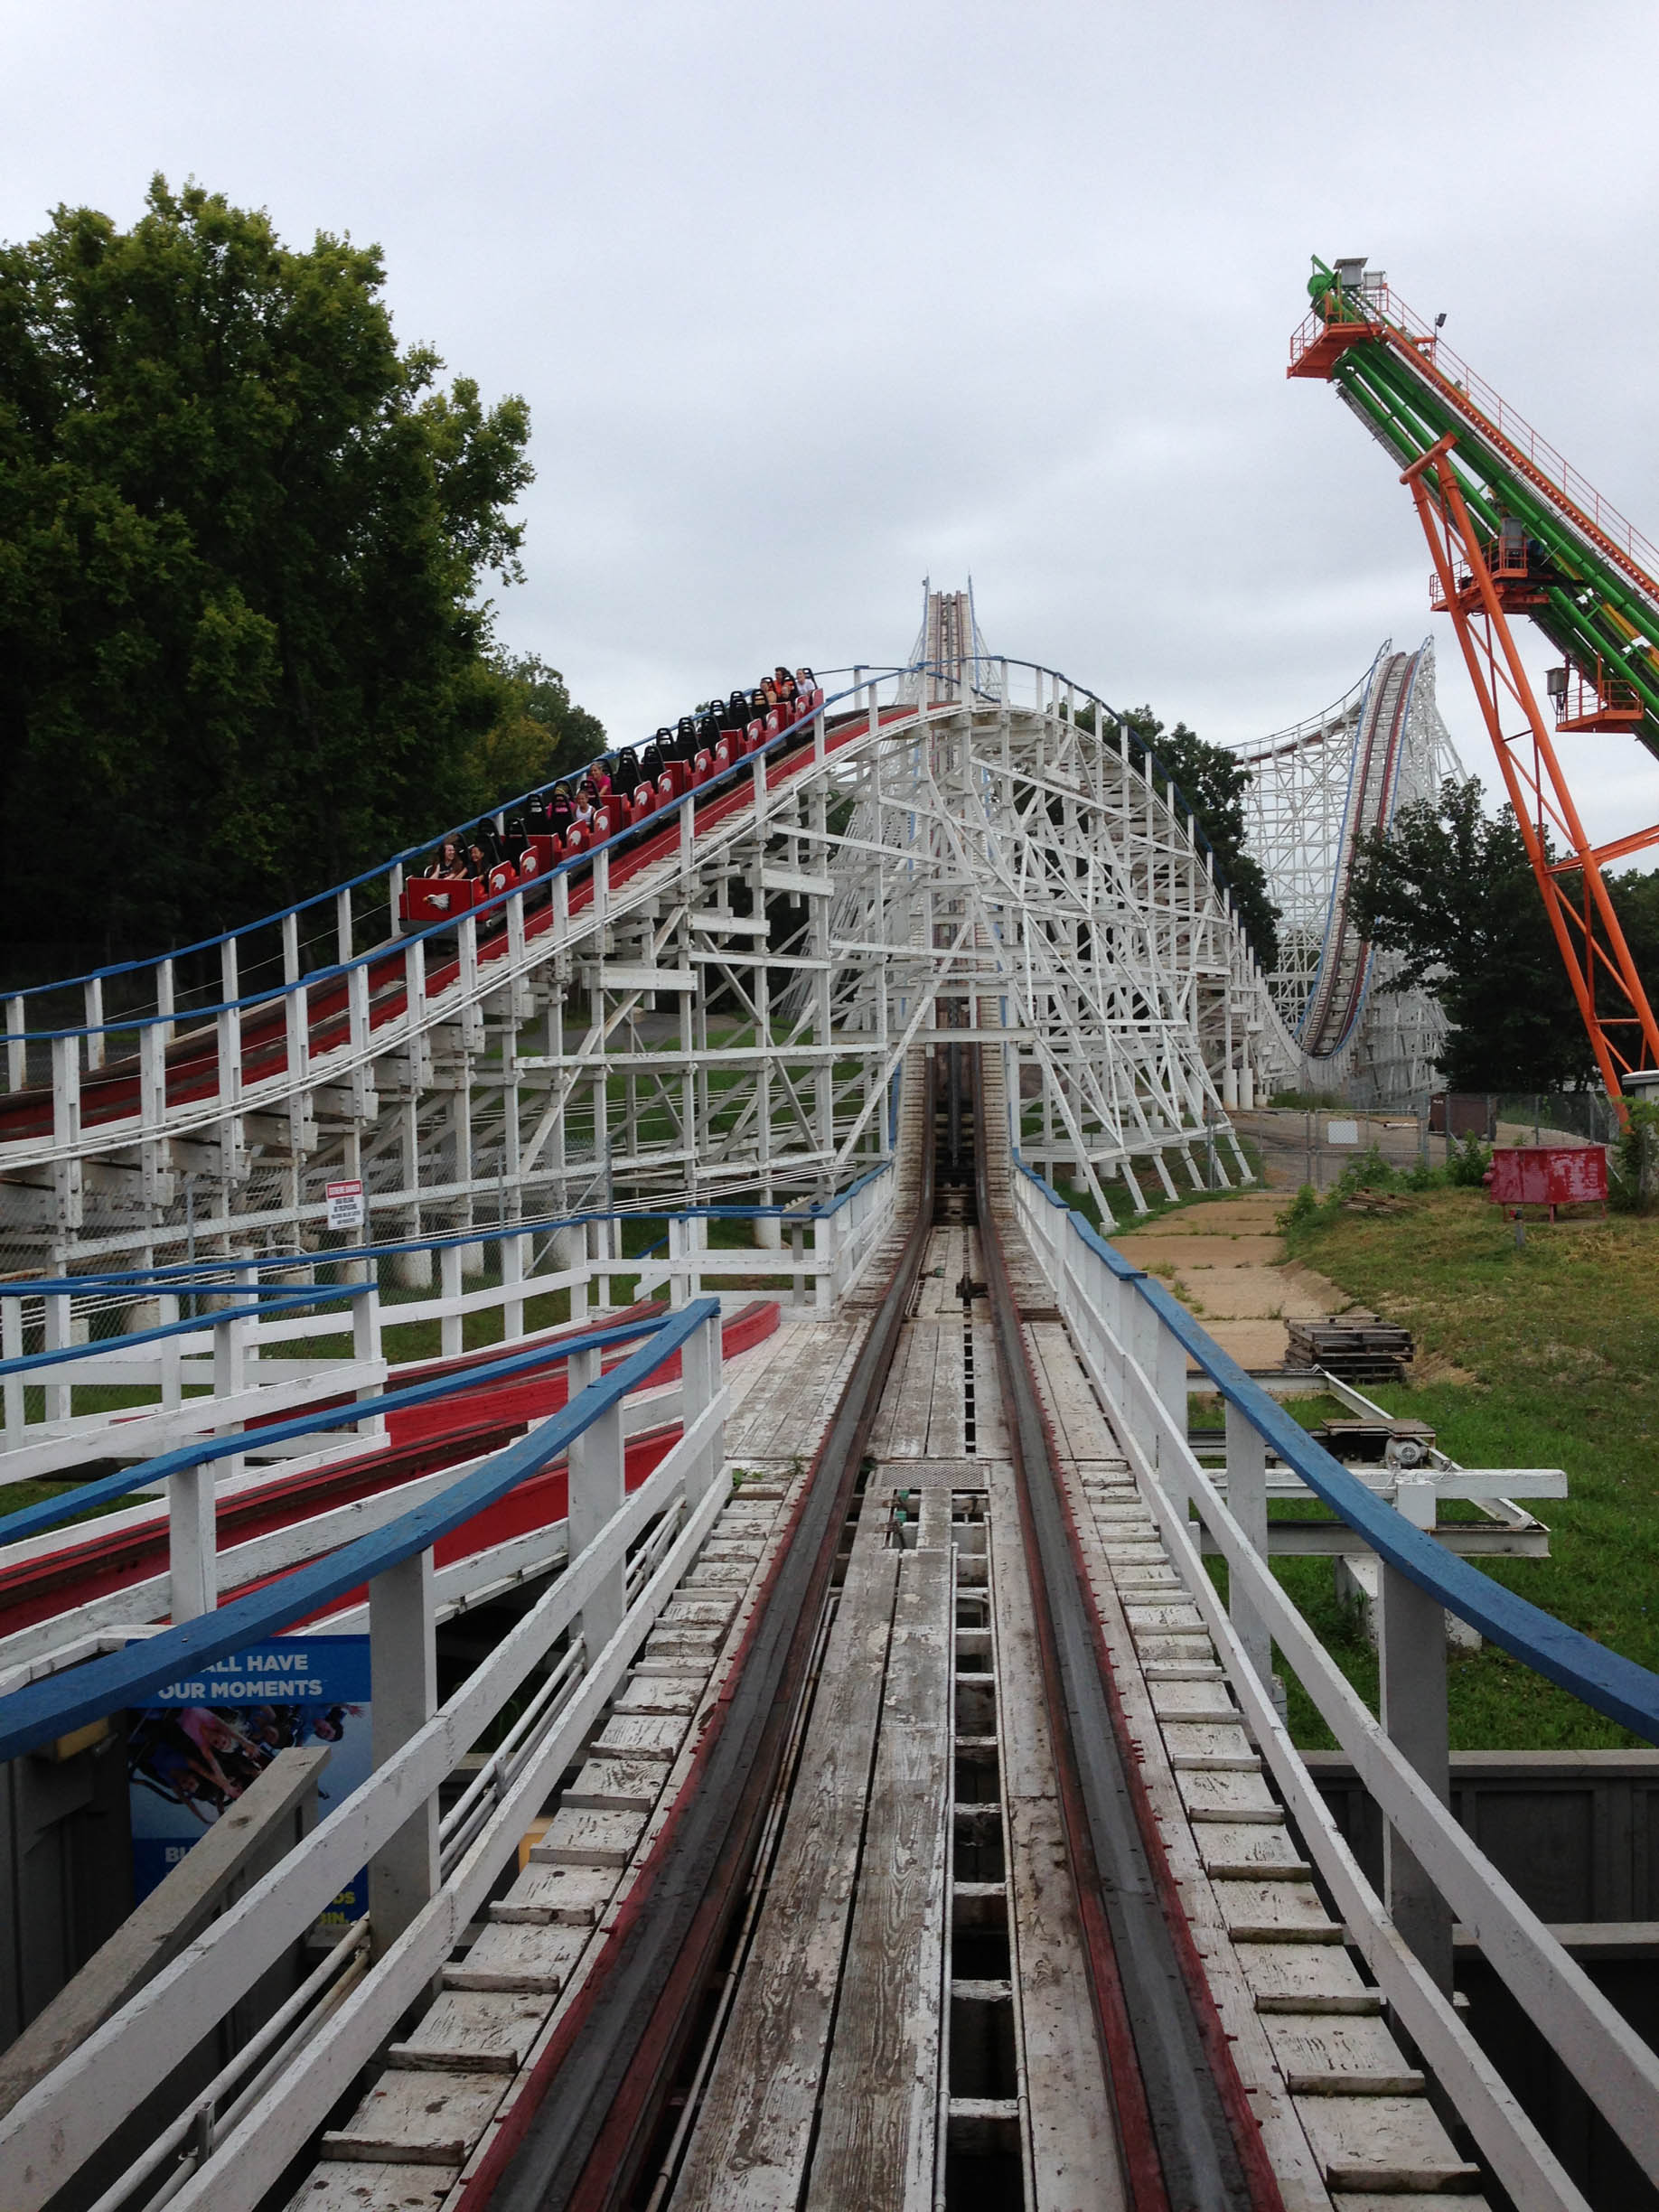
point(192, 1516)
point(11, 1348)
point(700, 1374)
point(230, 1340)
point(512, 1250)
point(597, 1487)
point(172, 1349)
point(193, 1544)
point(165, 998)
point(94, 991)
point(16, 1043)
point(680, 1288)
point(1412, 1657)
point(1247, 1502)
point(449, 1289)
point(403, 1874)
point(60, 1396)
point(152, 1078)
point(366, 1339)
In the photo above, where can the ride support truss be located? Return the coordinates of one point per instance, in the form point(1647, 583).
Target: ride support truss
point(1511, 527)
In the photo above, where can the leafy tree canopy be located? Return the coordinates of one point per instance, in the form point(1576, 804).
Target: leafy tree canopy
point(242, 539)
point(1451, 890)
point(1214, 782)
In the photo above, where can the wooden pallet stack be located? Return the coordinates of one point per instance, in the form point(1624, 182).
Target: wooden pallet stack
point(1354, 1347)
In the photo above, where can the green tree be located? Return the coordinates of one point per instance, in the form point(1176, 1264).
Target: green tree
point(243, 535)
point(538, 734)
point(1451, 889)
point(1214, 782)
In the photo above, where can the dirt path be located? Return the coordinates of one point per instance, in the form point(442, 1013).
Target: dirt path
point(1227, 1264)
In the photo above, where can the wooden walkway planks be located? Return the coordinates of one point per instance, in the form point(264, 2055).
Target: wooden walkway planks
point(876, 2148)
point(1073, 2140)
point(750, 2147)
point(786, 1411)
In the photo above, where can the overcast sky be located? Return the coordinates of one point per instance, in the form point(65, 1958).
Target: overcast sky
point(809, 302)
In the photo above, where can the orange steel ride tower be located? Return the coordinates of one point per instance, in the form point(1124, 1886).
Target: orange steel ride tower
point(1510, 527)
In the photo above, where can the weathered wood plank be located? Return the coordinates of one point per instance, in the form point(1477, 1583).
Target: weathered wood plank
point(535, 1959)
point(640, 1735)
point(1074, 2145)
point(359, 2187)
point(875, 2144)
point(1392, 2145)
point(416, 2119)
point(583, 1839)
point(473, 2031)
point(947, 1409)
point(749, 2148)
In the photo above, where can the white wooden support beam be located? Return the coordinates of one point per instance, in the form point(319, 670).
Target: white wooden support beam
point(11, 1348)
point(403, 1874)
point(60, 1396)
point(366, 1339)
point(1247, 1502)
point(66, 1129)
point(597, 1490)
point(95, 1021)
point(513, 1250)
point(701, 1385)
point(1412, 1662)
point(449, 1289)
point(152, 1078)
point(171, 1351)
point(16, 1043)
point(164, 997)
point(342, 926)
point(193, 1544)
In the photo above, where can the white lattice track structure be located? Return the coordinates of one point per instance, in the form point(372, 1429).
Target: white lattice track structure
point(1317, 791)
point(962, 845)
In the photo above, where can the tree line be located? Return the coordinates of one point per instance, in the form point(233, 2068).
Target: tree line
point(1451, 889)
point(244, 537)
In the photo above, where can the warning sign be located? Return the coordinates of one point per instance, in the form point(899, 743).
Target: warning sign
point(345, 1205)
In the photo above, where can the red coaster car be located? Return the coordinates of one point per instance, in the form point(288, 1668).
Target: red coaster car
point(429, 899)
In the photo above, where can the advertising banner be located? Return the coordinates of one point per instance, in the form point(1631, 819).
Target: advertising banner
point(200, 1741)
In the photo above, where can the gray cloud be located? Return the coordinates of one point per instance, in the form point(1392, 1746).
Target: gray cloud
point(809, 302)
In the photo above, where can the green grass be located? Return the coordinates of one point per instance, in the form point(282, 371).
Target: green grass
point(1560, 1343)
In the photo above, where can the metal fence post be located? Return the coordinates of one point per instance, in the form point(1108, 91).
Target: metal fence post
point(597, 1489)
point(1247, 1503)
point(403, 1874)
point(1411, 1655)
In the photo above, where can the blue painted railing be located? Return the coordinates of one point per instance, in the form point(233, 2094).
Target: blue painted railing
point(1612, 1685)
point(42, 1711)
point(50, 1513)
